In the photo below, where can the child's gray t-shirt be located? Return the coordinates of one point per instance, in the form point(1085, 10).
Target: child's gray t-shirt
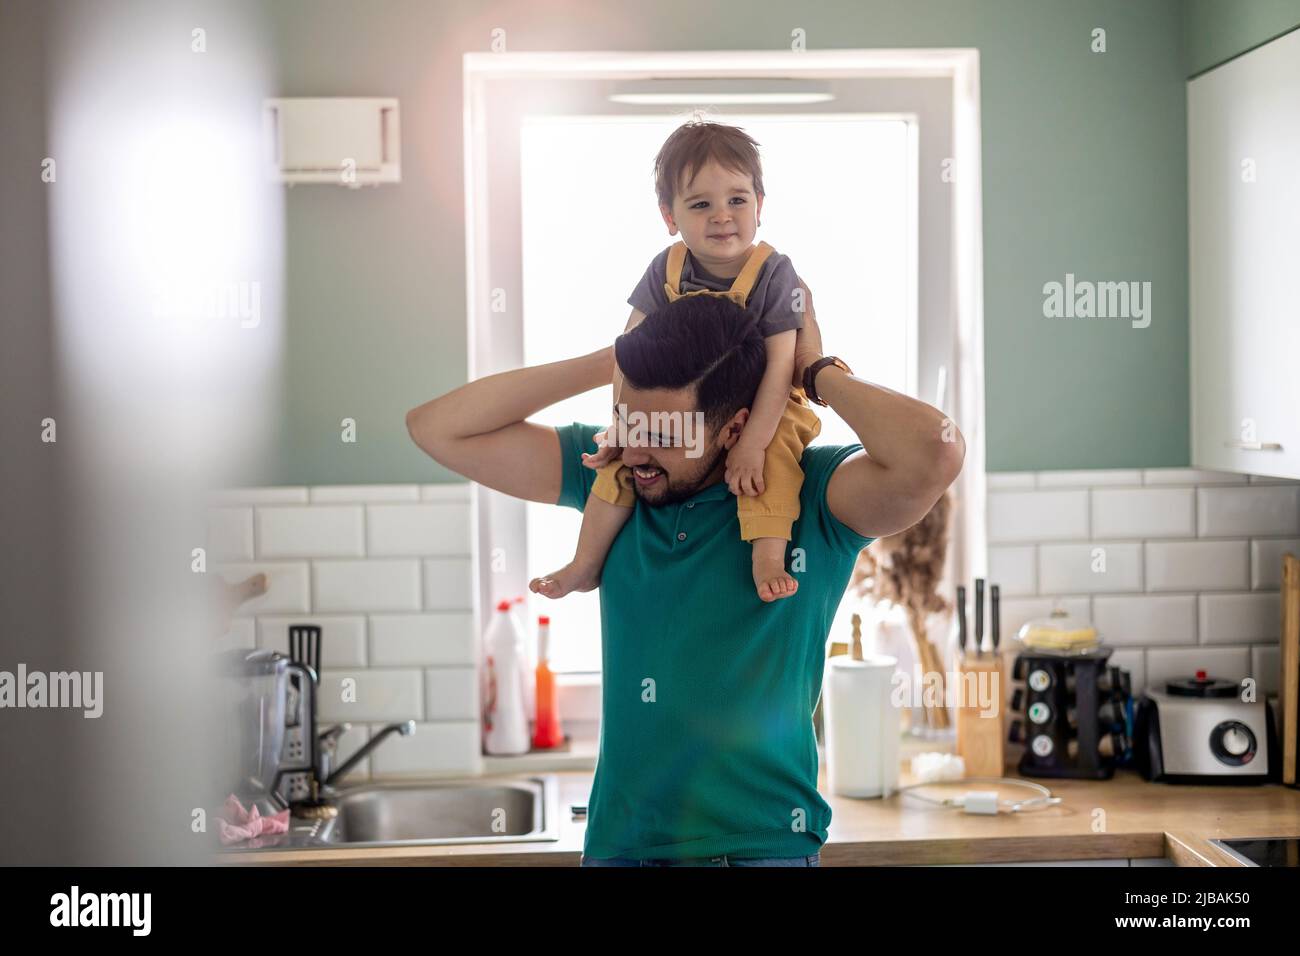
point(772, 299)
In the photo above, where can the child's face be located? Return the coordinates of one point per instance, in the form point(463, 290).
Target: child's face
point(717, 215)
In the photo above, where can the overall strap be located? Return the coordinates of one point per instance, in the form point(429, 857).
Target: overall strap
point(741, 286)
point(676, 259)
point(744, 283)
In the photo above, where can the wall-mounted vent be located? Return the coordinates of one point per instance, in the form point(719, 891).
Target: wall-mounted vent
point(341, 140)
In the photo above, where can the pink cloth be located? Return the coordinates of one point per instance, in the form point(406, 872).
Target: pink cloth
point(237, 824)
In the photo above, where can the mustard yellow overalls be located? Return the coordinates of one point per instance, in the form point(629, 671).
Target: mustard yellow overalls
point(773, 513)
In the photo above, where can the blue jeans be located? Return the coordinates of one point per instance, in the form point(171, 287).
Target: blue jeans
point(814, 860)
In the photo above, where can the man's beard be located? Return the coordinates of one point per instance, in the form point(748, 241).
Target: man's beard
point(676, 494)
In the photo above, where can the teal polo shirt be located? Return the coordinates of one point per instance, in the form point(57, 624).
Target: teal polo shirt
point(706, 735)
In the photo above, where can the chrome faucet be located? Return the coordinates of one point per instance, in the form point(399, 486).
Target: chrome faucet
point(329, 743)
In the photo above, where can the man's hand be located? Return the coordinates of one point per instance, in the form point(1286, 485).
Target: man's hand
point(808, 340)
point(744, 475)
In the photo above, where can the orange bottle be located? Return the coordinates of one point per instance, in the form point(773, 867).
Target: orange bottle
point(546, 729)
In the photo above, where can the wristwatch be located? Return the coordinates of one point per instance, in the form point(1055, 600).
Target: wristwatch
point(810, 376)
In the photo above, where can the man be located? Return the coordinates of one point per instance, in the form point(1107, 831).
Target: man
point(707, 751)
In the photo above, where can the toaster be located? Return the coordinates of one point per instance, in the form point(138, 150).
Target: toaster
point(1199, 730)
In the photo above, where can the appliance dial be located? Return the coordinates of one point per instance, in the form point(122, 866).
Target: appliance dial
point(1233, 743)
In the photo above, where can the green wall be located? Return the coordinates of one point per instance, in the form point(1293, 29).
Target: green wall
point(1217, 30)
point(1084, 172)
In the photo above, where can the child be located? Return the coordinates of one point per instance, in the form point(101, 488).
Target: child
point(709, 181)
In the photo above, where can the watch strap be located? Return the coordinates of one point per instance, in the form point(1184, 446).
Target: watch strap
point(810, 376)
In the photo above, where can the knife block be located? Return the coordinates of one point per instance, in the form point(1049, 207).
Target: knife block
point(979, 727)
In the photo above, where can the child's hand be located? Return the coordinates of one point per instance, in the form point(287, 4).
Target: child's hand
point(744, 475)
point(605, 453)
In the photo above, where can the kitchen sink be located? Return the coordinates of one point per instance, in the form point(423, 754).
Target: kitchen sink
point(472, 810)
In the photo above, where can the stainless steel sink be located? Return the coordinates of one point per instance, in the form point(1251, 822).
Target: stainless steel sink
point(473, 810)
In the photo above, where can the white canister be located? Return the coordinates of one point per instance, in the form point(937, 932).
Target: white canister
point(862, 726)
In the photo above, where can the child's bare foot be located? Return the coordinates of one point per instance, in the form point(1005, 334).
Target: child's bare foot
point(771, 579)
point(574, 576)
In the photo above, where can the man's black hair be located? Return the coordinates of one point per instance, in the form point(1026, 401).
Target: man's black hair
point(703, 340)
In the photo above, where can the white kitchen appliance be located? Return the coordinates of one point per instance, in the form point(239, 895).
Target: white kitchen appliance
point(1199, 730)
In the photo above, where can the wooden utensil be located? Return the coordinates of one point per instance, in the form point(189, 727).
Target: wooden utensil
point(1289, 695)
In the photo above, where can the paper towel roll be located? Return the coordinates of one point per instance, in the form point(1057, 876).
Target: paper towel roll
point(862, 726)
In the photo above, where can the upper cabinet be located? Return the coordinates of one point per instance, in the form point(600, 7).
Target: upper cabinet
point(1243, 144)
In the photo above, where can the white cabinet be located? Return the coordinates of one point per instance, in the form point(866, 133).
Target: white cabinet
point(1243, 139)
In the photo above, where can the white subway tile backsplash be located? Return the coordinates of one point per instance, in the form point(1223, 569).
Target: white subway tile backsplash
point(342, 637)
point(287, 589)
point(360, 694)
point(352, 740)
point(230, 534)
point(1009, 480)
point(280, 495)
point(242, 633)
point(450, 491)
point(450, 693)
point(1143, 513)
point(1266, 668)
point(1189, 476)
point(385, 571)
point(1133, 660)
point(441, 639)
point(1169, 663)
point(1270, 480)
point(1013, 569)
point(323, 531)
point(445, 747)
point(1197, 565)
point(354, 494)
point(1143, 619)
point(1089, 479)
point(1015, 516)
point(1016, 612)
point(1240, 618)
point(1092, 567)
point(1193, 562)
point(1266, 561)
point(1253, 510)
point(375, 585)
point(437, 528)
point(448, 584)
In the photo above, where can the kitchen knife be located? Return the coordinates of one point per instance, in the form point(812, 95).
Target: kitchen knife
point(961, 617)
point(994, 615)
point(979, 615)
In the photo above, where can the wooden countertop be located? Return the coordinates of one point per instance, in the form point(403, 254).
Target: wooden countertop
point(1122, 817)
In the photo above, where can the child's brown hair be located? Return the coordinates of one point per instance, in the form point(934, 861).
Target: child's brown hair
point(693, 144)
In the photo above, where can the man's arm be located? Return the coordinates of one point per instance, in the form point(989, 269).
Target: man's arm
point(479, 431)
point(912, 451)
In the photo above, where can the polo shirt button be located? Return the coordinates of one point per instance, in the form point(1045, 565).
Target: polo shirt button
point(690, 504)
point(681, 535)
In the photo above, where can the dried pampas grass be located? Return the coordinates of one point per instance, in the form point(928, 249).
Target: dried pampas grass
point(906, 569)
